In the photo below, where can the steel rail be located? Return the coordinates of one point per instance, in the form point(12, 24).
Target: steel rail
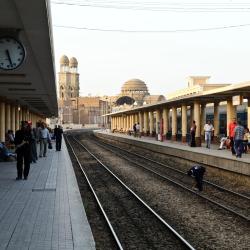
point(187, 244)
point(96, 198)
point(178, 184)
point(179, 171)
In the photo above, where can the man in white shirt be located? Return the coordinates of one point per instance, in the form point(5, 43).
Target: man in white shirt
point(138, 129)
point(44, 137)
point(208, 128)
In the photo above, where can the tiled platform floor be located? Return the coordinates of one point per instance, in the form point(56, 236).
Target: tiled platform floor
point(46, 211)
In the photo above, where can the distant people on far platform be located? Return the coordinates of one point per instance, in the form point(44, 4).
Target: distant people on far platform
point(134, 129)
point(246, 140)
point(231, 129)
point(138, 127)
point(209, 129)
point(58, 135)
point(192, 135)
point(197, 172)
point(238, 139)
point(224, 143)
point(44, 137)
point(23, 150)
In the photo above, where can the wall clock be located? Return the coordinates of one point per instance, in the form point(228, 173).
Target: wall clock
point(12, 53)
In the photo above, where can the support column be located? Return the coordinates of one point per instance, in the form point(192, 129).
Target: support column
point(184, 123)
point(158, 120)
point(151, 123)
point(174, 123)
point(197, 118)
point(13, 118)
point(203, 119)
point(216, 120)
point(7, 117)
point(248, 113)
point(2, 121)
point(230, 112)
point(145, 123)
point(17, 125)
point(165, 115)
point(20, 115)
point(132, 120)
point(127, 123)
point(141, 122)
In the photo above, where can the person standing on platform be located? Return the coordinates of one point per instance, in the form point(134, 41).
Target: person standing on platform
point(197, 172)
point(138, 129)
point(44, 138)
point(238, 139)
point(34, 157)
point(23, 150)
point(192, 135)
point(58, 135)
point(231, 128)
point(134, 129)
point(208, 128)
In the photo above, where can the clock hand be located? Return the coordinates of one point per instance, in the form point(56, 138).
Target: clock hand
point(8, 55)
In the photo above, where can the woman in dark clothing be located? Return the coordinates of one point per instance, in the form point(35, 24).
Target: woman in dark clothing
point(33, 150)
point(23, 140)
point(192, 133)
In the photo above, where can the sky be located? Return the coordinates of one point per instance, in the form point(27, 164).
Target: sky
point(163, 60)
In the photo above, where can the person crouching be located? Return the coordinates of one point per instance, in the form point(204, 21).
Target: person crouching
point(197, 172)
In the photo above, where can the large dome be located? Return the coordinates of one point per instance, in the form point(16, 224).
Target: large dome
point(73, 62)
point(134, 85)
point(64, 60)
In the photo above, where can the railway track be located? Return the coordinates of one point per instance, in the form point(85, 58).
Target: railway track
point(231, 201)
point(133, 224)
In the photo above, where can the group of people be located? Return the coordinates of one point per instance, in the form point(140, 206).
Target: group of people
point(136, 129)
point(26, 140)
point(238, 139)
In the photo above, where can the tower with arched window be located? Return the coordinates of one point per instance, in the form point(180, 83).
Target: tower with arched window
point(68, 78)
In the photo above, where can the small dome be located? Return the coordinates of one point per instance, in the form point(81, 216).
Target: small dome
point(64, 60)
point(152, 99)
point(73, 62)
point(134, 85)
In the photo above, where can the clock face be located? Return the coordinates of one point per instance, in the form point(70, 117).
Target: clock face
point(12, 53)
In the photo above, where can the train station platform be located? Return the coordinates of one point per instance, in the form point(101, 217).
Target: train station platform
point(222, 159)
point(45, 211)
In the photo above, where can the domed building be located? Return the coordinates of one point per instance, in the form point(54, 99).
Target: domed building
point(135, 92)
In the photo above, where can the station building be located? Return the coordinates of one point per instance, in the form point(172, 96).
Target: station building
point(173, 117)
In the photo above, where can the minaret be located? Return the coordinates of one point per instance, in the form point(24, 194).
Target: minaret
point(64, 77)
point(74, 78)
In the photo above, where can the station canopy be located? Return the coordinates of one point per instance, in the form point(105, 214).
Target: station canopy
point(32, 84)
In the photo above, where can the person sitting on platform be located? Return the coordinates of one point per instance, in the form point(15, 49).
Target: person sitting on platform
point(224, 142)
point(197, 172)
point(5, 154)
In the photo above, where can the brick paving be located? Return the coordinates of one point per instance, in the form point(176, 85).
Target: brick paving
point(46, 211)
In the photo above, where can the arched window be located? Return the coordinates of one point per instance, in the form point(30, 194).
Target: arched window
point(62, 95)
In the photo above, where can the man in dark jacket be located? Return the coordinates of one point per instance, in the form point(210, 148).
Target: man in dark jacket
point(58, 134)
point(197, 172)
point(23, 140)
